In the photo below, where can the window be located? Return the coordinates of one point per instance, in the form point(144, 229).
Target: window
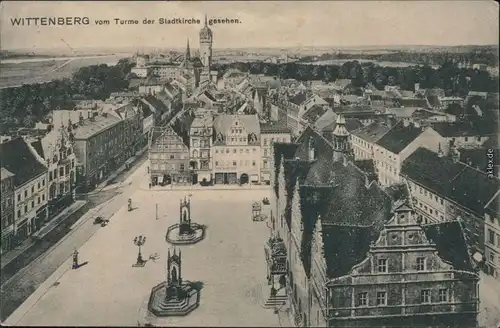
point(38, 201)
point(491, 236)
point(265, 142)
point(61, 171)
point(227, 150)
point(253, 163)
point(362, 299)
point(441, 201)
point(172, 156)
point(216, 151)
point(181, 167)
point(443, 295)
point(234, 163)
point(25, 193)
point(425, 296)
point(466, 139)
point(421, 264)
point(18, 213)
point(32, 203)
point(18, 197)
point(234, 150)
point(381, 298)
point(38, 185)
point(382, 265)
point(492, 257)
point(25, 208)
point(43, 197)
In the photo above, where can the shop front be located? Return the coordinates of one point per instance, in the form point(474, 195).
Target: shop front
point(226, 178)
point(22, 231)
point(7, 239)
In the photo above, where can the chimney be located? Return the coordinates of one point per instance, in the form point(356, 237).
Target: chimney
point(80, 119)
point(440, 151)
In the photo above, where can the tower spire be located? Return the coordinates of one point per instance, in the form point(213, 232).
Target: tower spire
point(188, 52)
point(206, 20)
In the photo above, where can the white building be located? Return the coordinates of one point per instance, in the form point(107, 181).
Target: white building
point(271, 132)
point(236, 149)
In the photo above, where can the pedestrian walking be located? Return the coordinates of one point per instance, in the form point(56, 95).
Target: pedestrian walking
point(150, 185)
point(75, 260)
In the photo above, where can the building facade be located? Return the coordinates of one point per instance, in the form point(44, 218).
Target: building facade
point(201, 138)
point(492, 238)
point(30, 186)
point(7, 210)
point(271, 132)
point(103, 142)
point(169, 157)
point(357, 256)
point(236, 149)
point(56, 149)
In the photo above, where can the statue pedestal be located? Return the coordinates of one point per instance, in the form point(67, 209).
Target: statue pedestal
point(192, 234)
point(161, 305)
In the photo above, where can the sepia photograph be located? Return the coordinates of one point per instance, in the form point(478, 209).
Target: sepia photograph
point(250, 164)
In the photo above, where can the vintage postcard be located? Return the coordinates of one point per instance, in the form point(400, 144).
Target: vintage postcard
point(250, 163)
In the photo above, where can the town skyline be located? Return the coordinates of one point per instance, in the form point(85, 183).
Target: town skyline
point(298, 24)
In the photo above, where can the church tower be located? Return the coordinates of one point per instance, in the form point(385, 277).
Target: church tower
point(187, 55)
point(342, 149)
point(206, 39)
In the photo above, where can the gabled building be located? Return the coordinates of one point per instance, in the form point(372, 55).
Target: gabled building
point(271, 132)
point(169, 153)
point(346, 239)
point(56, 148)
point(201, 134)
point(236, 149)
point(29, 178)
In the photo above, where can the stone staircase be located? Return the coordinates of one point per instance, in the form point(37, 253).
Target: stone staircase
point(275, 301)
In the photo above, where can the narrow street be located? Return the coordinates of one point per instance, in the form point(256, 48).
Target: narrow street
point(49, 256)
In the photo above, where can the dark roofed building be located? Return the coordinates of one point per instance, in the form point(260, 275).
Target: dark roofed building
point(18, 159)
point(462, 190)
point(399, 137)
point(338, 221)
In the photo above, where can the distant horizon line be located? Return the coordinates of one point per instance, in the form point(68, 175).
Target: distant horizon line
point(351, 47)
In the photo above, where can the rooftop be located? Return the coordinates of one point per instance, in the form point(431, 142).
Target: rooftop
point(457, 182)
point(458, 129)
point(17, 158)
point(399, 137)
point(95, 125)
point(273, 127)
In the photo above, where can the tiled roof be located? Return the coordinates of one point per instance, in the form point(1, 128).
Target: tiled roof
point(273, 127)
point(182, 126)
point(450, 243)
point(459, 129)
point(37, 145)
point(478, 158)
point(399, 137)
point(457, 182)
point(314, 113)
point(299, 98)
point(17, 158)
point(351, 124)
point(326, 119)
point(372, 132)
point(94, 126)
point(412, 102)
point(157, 104)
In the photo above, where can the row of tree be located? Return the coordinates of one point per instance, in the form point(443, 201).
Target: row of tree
point(480, 55)
point(456, 81)
point(25, 105)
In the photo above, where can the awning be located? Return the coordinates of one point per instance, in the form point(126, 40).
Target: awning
point(254, 178)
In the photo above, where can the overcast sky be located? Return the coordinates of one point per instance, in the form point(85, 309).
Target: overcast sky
point(263, 24)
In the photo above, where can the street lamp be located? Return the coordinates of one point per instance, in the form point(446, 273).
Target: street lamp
point(139, 241)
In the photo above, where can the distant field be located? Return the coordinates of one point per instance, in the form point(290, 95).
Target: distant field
point(380, 63)
point(29, 72)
